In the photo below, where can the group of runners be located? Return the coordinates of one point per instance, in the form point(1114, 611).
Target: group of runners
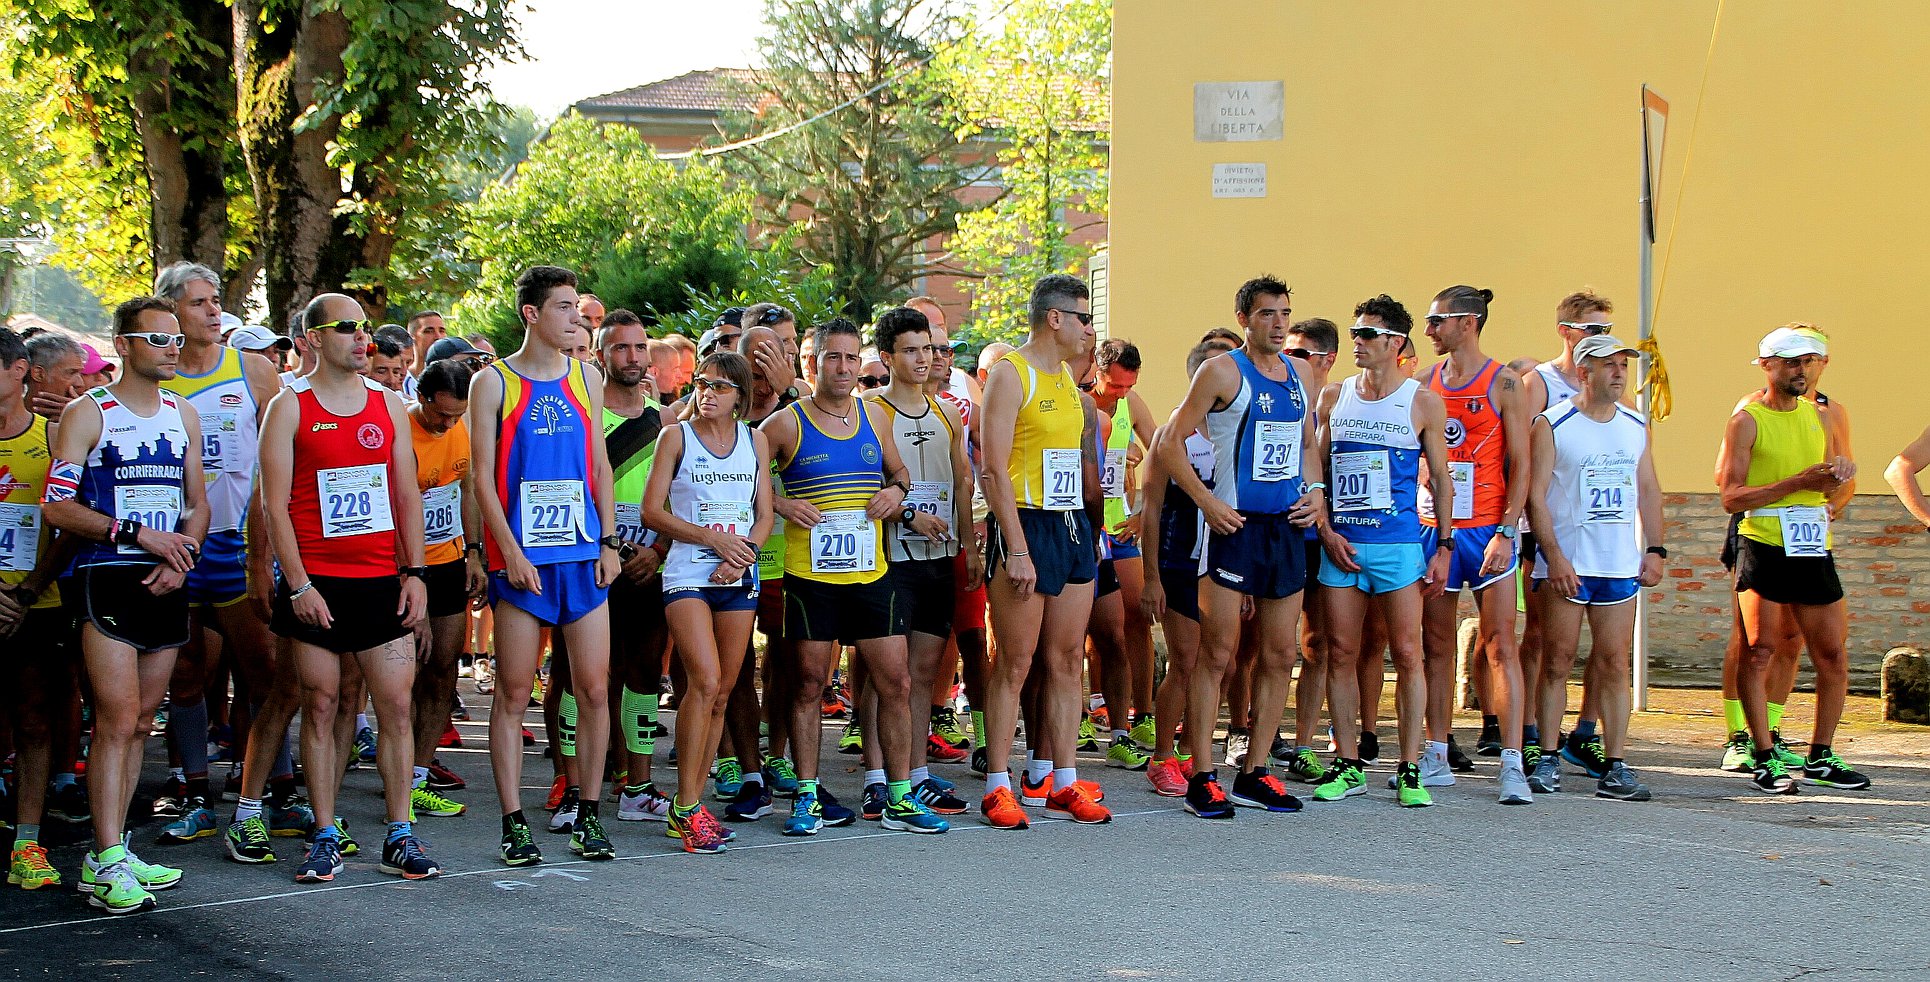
point(615, 506)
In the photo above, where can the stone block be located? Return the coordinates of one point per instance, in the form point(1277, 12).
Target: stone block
point(1906, 686)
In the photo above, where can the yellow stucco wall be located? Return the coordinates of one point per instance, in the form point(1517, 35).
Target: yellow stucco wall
point(1497, 143)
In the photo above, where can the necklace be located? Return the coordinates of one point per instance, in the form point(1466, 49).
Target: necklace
point(815, 404)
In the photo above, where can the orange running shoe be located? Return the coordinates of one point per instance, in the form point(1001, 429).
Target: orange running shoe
point(1035, 795)
point(556, 793)
point(1075, 804)
point(1001, 810)
point(1168, 777)
point(942, 752)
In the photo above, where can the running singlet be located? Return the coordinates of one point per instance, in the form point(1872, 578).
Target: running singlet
point(838, 475)
point(1787, 443)
point(230, 436)
point(1113, 479)
point(1556, 389)
point(1181, 526)
point(441, 462)
point(543, 473)
point(137, 470)
point(339, 498)
point(1592, 498)
point(631, 443)
point(962, 401)
point(1477, 449)
point(717, 493)
point(24, 537)
point(1258, 435)
point(925, 446)
point(1375, 465)
point(1046, 470)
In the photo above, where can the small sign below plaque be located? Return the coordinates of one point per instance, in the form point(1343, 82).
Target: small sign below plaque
point(1239, 180)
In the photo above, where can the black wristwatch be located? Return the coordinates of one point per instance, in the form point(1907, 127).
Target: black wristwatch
point(1447, 542)
point(419, 572)
point(613, 541)
point(905, 517)
point(475, 549)
point(1658, 551)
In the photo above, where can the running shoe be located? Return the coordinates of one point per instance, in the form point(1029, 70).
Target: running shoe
point(172, 801)
point(151, 876)
point(563, 821)
point(908, 814)
point(833, 704)
point(115, 889)
point(404, 857)
point(443, 779)
point(1259, 789)
point(834, 813)
point(1790, 758)
point(939, 799)
point(1369, 748)
point(459, 712)
point(365, 745)
point(69, 804)
point(519, 846)
point(1620, 784)
point(30, 870)
point(1122, 753)
point(1205, 797)
point(699, 831)
point(728, 779)
point(753, 802)
point(1457, 759)
point(643, 804)
point(938, 750)
point(485, 675)
point(1144, 734)
point(941, 784)
point(1586, 753)
point(451, 737)
point(289, 818)
point(1237, 739)
point(1280, 753)
point(423, 801)
point(1100, 715)
point(1738, 755)
point(1034, 795)
point(852, 741)
point(807, 818)
point(1546, 776)
point(323, 861)
point(349, 846)
point(1409, 791)
point(1343, 780)
point(1436, 772)
point(1168, 777)
point(198, 822)
point(1073, 803)
point(1530, 756)
point(1514, 787)
point(1088, 734)
point(1831, 771)
point(780, 776)
point(557, 789)
point(1001, 810)
point(1488, 744)
point(1305, 766)
point(248, 842)
point(871, 803)
point(981, 761)
point(529, 739)
point(231, 785)
point(944, 726)
point(589, 840)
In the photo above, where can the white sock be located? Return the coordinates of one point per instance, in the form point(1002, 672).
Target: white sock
point(1437, 749)
point(997, 780)
point(421, 776)
point(247, 808)
point(1036, 770)
point(1511, 757)
point(754, 777)
point(1062, 777)
point(920, 775)
point(361, 722)
point(872, 777)
point(1118, 734)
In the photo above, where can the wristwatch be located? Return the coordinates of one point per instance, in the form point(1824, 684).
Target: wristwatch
point(1447, 542)
point(474, 549)
point(905, 517)
point(419, 572)
point(613, 541)
point(1507, 530)
point(1658, 551)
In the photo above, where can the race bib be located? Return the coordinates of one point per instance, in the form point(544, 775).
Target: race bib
point(442, 514)
point(1461, 473)
point(1608, 495)
point(19, 537)
point(152, 506)
point(932, 498)
point(355, 500)
point(1805, 530)
point(844, 542)
point(732, 518)
point(1064, 488)
point(219, 432)
point(1362, 481)
point(1112, 478)
point(553, 514)
point(630, 522)
point(1276, 450)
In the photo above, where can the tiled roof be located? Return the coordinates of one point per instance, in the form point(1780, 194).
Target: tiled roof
point(716, 90)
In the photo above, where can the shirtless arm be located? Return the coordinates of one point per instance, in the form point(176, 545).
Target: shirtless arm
point(1215, 385)
point(1430, 417)
point(1902, 475)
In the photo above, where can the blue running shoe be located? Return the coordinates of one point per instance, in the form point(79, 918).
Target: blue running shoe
point(836, 815)
point(941, 784)
point(872, 802)
point(780, 776)
point(729, 777)
point(323, 862)
point(289, 818)
point(806, 816)
point(365, 745)
point(197, 822)
point(752, 803)
point(908, 815)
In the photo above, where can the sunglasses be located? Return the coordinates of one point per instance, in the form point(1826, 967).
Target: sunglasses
point(1305, 353)
point(1085, 319)
point(1362, 332)
point(1436, 320)
point(776, 315)
point(158, 339)
point(1592, 327)
point(874, 381)
point(347, 327)
point(719, 384)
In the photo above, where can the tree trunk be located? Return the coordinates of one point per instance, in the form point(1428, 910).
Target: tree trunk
point(184, 146)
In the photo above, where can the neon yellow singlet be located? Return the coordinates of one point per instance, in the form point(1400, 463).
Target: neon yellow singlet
point(1787, 443)
point(24, 536)
point(1045, 438)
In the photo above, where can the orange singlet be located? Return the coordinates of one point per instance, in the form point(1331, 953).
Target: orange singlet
point(1477, 450)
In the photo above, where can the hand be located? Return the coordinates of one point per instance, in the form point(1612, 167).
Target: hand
point(931, 527)
point(1340, 552)
point(520, 573)
point(887, 503)
point(733, 550)
point(414, 605)
point(175, 549)
point(1152, 600)
point(642, 564)
point(1128, 531)
point(608, 568)
point(1221, 518)
point(1134, 454)
point(11, 607)
point(768, 357)
point(727, 574)
point(312, 610)
point(423, 646)
point(1024, 578)
point(1309, 510)
point(1820, 477)
point(261, 591)
point(475, 579)
point(1435, 580)
point(1562, 578)
point(1246, 606)
point(974, 568)
point(164, 580)
point(51, 404)
point(1500, 552)
point(1651, 570)
point(798, 511)
point(1844, 469)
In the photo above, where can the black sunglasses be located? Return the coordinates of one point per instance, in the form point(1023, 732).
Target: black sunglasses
point(722, 385)
point(347, 327)
point(1370, 333)
point(874, 381)
point(1303, 354)
point(776, 315)
point(1085, 319)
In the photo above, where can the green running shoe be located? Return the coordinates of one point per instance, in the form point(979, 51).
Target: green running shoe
point(852, 742)
point(1088, 734)
point(1122, 753)
point(1408, 787)
point(1737, 756)
point(248, 841)
point(149, 875)
point(1530, 756)
point(519, 846)
point(1143, 734)
point(781, 776)
point(347, 842)
point(589, 840)
point(115, 890)
point(729, 779)
point(29, 868)
point(1791, 759)
point(1304, 766)
point(944, 725)
point(1343, 780)
point(423, 801)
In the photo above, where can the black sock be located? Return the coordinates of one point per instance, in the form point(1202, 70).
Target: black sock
point(514, 819)
point(280, 789)
point(1817, 751)
point(586, 808)
point(198, 787)
point(1612, 761)
point(1487, 721)
point(1763, 755)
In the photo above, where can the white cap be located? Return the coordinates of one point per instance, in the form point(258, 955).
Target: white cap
point(254, 337)
point(228, 323)
point(1600, 346)
point(1791, 342)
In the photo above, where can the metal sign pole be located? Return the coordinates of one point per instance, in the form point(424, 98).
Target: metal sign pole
point(1651, 165)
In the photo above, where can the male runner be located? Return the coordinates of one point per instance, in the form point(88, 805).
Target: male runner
point(1487, 441)
point(1042, 554)
point(543, 482)
point(1116, 371)
point(125, 480)
point(965, 656)
point(333, 450)
point(1376, 426)
point(840, 480)
point(1594, 502)
point(1254, 409)
point(1779, 466)
point(1315, 342)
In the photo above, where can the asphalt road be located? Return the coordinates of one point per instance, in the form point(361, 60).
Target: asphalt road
point(1709, 881)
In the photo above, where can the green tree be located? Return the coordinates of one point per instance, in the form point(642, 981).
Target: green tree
point(1039, 91)
point(875, 182)
point(596, 199)
point(773, 274)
